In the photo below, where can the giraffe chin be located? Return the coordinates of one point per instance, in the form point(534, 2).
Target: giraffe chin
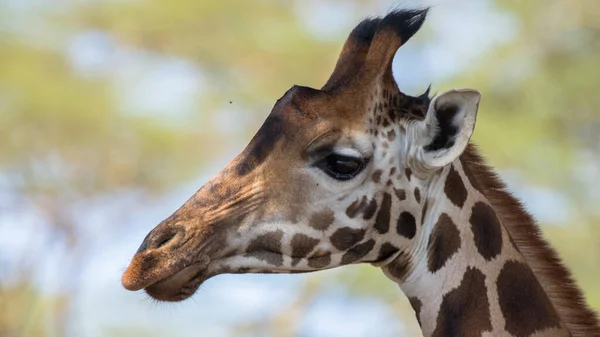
point(179, 286)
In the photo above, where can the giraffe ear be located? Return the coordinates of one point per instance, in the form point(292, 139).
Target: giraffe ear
point(445, 132)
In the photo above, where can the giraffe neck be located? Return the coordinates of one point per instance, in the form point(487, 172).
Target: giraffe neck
point(467, 276)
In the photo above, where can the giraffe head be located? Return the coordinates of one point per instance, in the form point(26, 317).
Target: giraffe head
point(334, 176)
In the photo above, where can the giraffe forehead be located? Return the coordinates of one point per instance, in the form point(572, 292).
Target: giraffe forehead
point(287, 137)
point(304, 115)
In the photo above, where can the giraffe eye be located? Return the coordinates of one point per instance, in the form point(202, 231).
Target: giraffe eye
point(341, 167)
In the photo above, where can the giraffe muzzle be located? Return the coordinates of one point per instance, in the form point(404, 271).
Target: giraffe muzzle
point(163, 265)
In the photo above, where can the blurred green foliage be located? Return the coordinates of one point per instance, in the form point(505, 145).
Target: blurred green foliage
point(23, 311)
point(68, 139)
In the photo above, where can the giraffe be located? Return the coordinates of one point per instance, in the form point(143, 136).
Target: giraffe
point(359, 172)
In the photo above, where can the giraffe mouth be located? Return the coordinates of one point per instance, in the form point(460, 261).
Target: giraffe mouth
point(179, 285)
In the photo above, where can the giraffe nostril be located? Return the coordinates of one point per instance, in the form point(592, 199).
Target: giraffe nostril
point(162, 236)
point(168, 236)
point(164, 241)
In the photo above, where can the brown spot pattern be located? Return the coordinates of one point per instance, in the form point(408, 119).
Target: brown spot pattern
point(319, 261)
point(370, 209)
point(533, 246)
point(386, 250)
point(443, 243)
point(407, 173)
point(302, 245)
point(377, 176)
point(524, 304)
point(267, 247)
point(400, 193)
point(400, 267)
point(356, 207)
point(322, 220)
point(358, 252)
point(382, 221)
point(406, 225)
point(455, 188)
point(469, 174)
point(465, 310)
point(418, 195)
point(346, 237)
point(486, 230)
point(416, 304)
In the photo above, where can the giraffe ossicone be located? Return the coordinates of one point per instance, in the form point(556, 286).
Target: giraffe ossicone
point(359, 172)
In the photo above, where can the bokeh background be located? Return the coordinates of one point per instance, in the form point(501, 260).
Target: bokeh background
point(113, 112)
